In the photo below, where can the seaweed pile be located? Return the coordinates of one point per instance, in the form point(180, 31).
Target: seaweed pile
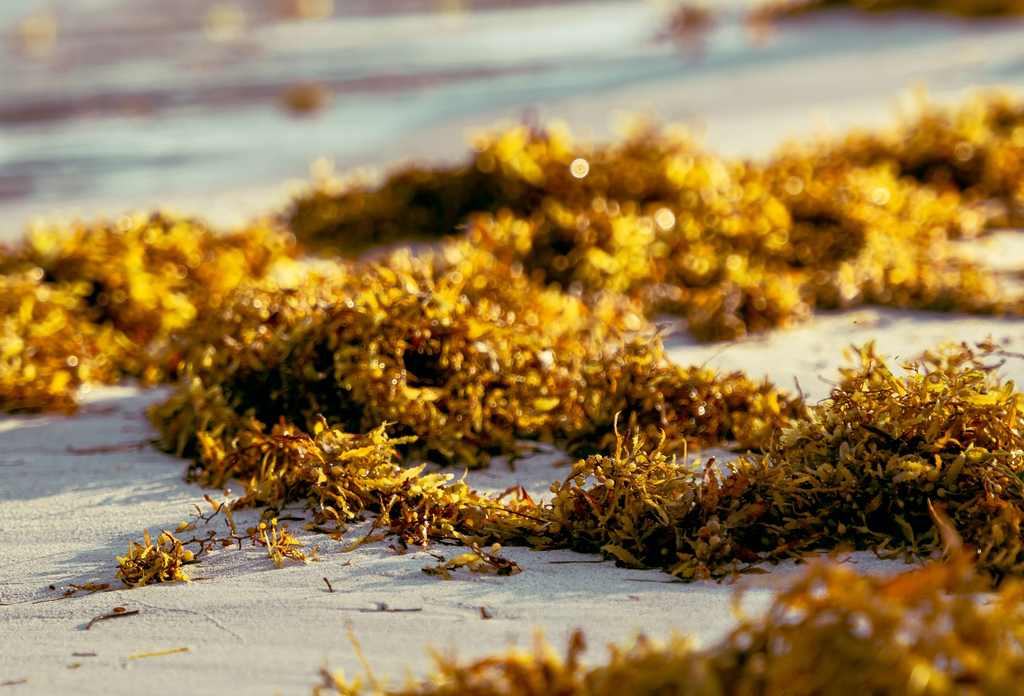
point(884, 450)
point(308, 373)
point(832, 632)
point(732, 246)
point(149, 563)
point(970, 155)
point(83, 304)
point(460, 350)
point(868, 469)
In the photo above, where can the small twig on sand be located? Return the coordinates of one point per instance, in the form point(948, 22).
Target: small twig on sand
point(118, 615)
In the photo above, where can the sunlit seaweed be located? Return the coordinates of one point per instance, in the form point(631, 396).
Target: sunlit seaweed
point(867, 470)
point(732, 246)
point(876, 456)
point(341, 475)
point(84, 304)
point(459, 350)
point(614, 233)
point(149, 563)
point(282, 544)
point(864, 471)
point(476, 560)
point(532, 326)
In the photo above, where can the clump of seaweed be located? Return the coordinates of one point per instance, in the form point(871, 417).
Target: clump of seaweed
point(869, 469)
point(631, 509)
point(149, 563)
point(341, 475)
point(282, 544)
point(459, 350)
point(644, 509)
point(832, 631)
point(732, 246)
point(882, 450)
point(83, 304)
point(49, 354)
point(968, 156)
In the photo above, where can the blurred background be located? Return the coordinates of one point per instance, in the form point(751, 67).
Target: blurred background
point(110, 105)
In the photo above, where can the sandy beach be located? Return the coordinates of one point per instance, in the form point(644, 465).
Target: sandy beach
point(74, 490)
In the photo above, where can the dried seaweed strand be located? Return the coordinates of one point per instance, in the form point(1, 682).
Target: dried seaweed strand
point(157, 654)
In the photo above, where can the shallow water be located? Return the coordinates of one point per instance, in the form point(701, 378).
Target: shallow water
point(134, 101)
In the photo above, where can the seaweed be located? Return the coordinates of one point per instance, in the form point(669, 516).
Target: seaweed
point(866, 469)
point(461, 352)
point(162, 562)
point(341, 475)
point(964, 8)
point(733, 246)
point(149, 563)
point(557, 244)
point(477, 561)
point(85, 304)
point(874, 458)
point(282, 543)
